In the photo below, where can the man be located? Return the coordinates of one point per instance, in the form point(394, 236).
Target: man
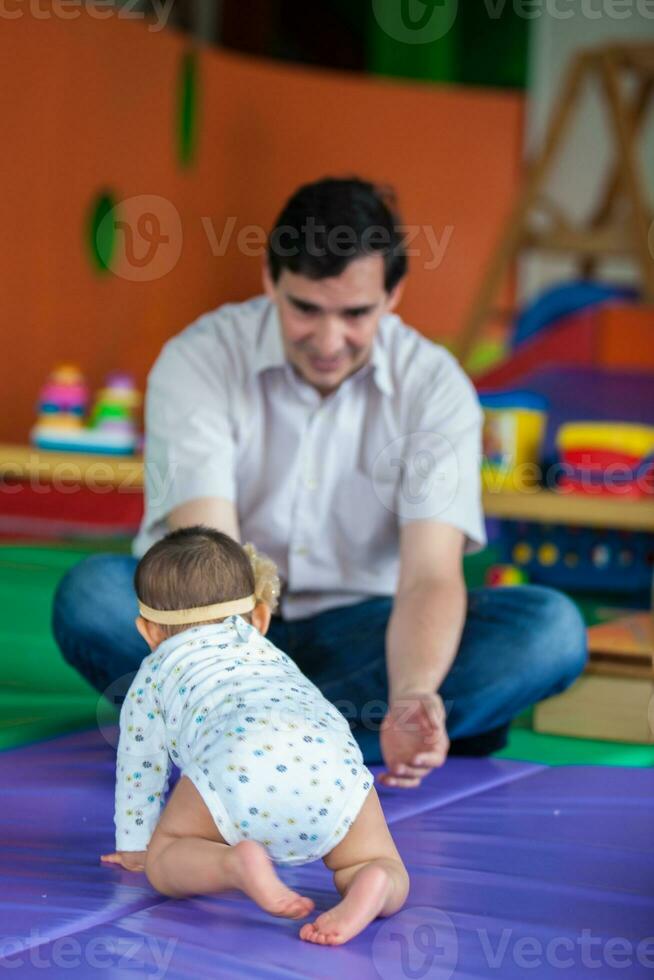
point(346, 445)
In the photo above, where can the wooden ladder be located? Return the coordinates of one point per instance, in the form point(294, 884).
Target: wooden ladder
point(621, 224)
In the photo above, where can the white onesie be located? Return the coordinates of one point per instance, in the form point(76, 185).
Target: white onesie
point(273, 760)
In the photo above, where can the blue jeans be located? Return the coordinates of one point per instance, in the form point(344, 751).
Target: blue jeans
point(519, 645)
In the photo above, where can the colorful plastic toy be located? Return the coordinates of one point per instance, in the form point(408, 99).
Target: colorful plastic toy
point(111, 428)
point(63, 401)
point(563, 300)
point(503, 575)
point(607, 458)
point(612, 337)
point(580, 558)
point(514, 427)
point(112, 420)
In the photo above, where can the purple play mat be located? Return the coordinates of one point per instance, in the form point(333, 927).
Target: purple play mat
point(517, 870)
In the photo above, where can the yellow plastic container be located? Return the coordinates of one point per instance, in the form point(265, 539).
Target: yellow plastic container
point(513, 441)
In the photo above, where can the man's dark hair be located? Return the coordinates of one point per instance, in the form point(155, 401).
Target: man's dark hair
point(194, 566)
point(328, 224)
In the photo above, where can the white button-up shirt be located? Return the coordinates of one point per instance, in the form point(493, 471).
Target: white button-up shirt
point(321, 484)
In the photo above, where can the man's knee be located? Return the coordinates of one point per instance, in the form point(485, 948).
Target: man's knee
point(559, 633)
point(94, 600)
point(77, 593)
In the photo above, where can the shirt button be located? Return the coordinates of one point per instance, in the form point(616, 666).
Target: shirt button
point(301, 550)
point(311, 483)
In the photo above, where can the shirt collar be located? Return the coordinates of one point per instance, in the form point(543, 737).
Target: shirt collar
point(381, 366)
point(270, 353)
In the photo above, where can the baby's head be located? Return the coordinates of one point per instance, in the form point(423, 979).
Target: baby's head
point(199, 567)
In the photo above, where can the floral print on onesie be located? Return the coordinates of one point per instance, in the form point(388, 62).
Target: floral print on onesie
point(273, 760)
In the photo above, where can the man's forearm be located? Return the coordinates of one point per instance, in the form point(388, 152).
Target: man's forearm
point(423, 635)
point(210, 511)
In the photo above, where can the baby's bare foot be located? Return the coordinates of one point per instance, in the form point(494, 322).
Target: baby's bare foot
point(363, 902)
point(254, 873)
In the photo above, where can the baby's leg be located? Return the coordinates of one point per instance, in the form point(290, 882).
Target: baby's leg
point(369, 874)
point(188, 856)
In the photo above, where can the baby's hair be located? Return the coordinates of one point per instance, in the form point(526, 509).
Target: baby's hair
point(266, 577)
point(199, 566)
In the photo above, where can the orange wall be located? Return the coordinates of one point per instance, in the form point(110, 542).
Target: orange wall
point(89, 104)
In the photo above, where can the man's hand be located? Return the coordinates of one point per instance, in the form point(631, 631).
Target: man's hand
point(413, 739)
point(129, 860)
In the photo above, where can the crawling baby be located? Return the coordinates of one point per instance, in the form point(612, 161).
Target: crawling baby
point(270, 772)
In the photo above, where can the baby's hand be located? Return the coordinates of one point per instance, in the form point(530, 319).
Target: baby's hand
point(129, 860)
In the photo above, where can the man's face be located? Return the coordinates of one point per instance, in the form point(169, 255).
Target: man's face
point(329, 325)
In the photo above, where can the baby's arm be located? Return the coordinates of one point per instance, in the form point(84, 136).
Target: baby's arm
point(142, 773)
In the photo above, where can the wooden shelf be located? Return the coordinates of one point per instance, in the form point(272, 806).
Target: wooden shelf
point(544, 506)
point(91, 469)
point(548, 507)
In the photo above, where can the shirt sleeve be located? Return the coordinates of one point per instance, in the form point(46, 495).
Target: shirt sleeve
point(190, 444)
point(440, 456)
point(143, 768)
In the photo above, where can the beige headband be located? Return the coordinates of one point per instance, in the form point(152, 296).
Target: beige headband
point(201, 614)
